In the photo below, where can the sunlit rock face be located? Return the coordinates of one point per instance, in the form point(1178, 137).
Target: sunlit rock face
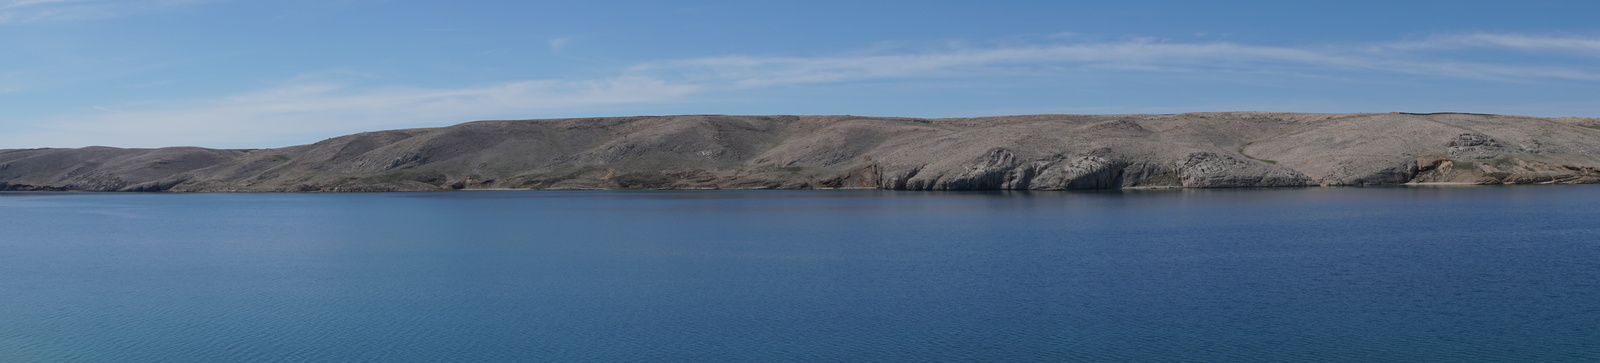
point(1033, 152)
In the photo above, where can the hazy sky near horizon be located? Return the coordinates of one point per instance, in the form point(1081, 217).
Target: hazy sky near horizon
point(247, 74)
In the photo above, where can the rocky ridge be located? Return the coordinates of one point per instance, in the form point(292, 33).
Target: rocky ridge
point(1033, 152)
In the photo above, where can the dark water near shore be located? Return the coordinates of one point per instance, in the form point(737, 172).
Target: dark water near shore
point(1359, 274)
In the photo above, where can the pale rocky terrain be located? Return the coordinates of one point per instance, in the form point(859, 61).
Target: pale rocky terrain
point(1038, 152)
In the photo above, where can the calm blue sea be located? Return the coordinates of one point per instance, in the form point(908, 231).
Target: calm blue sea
point(1445, 274)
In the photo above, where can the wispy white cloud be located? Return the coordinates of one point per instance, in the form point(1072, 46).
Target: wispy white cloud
point(31, 11)
point(747, 71)
point(329, 109)
point(1521, 42)
point(310, 107)
point(559, 45)
point(22, 3)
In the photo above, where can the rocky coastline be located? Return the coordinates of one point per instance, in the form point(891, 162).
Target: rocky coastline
point(1031, 152)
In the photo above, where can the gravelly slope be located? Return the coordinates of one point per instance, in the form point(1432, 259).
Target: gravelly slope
point(1044, 152)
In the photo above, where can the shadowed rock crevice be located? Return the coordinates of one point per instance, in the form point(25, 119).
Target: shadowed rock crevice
point(1037, 152)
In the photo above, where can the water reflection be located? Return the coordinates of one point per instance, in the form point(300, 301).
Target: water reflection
point(1347, 274)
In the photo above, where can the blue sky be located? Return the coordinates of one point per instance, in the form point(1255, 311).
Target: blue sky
point(246, 74)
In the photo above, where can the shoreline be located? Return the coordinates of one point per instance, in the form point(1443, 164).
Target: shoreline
point(1026, 152)
point(1139, 188)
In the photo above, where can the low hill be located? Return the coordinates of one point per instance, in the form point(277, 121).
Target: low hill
point(1040, 152)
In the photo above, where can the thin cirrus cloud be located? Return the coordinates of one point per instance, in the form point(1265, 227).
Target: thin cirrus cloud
point(1573, 44)
point(31, 11)
point(291, 113)
point(745, 71)
point(263, 118)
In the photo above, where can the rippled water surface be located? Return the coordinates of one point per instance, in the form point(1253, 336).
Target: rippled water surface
point(1359, 274)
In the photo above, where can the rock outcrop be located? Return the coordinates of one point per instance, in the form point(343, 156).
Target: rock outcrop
point(1038, 152)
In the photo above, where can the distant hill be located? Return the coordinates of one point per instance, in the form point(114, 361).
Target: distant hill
point(1040, 152)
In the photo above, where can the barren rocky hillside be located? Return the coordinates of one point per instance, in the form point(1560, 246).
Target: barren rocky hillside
point(1046, 152)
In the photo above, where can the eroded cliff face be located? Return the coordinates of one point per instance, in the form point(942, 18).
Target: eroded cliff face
point(1038, 152)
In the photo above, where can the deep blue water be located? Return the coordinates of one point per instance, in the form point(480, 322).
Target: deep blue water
point(1337, 275)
